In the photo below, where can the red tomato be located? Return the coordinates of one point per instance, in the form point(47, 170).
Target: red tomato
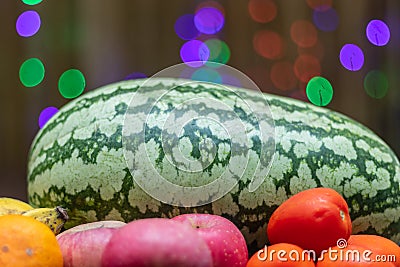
point(350, 256)
point(281, 255)
point(314, 219)
point(381, 247)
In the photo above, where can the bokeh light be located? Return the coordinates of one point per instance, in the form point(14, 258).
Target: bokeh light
point(135, 75)
point(219, 51)
point(268, 44)
point(213, 4)
point(303, 33)
point(299, 95)
point(282, 76)
point(46, 115)
point(378, 32)
point(209, 20)
point(28, 23)
point(320, 5)
point(31, 2)
point(71, 83)
point(185, 28)
point(194, 53)
point(326, 20)
point(319, 91)
point(205, 37)
point(31, 72)
point(262, 11)
point(376, 84)
point(207, 75)
point(306, 67)
point(317, 50)
point(352, 57)
point(231, 80)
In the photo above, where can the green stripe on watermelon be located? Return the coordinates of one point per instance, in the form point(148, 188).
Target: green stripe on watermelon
point(77, 161)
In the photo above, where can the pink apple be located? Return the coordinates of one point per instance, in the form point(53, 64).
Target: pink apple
point(156, 242)
point(226, 242)
point(83, 245)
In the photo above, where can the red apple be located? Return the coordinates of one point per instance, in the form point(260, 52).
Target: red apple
point(156, 242)
point(226, 242)
point(83, 245)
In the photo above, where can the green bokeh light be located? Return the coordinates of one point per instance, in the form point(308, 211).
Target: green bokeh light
point(31, 2)
point(319, 91)
point(376, 84)
point(71, 83)
point(207, 75)
point(219, 51)
point(31, 72)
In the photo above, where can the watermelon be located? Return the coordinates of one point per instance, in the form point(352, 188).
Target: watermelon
point(102, 155)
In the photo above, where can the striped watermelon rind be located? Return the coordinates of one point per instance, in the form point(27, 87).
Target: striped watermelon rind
point(77, 161)
point(197, 146)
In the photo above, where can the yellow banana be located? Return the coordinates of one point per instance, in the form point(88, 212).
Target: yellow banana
point(13, 206)
point(54, 218)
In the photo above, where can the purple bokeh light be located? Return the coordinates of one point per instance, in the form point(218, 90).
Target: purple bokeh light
point(209, 20)
point(326, 20)
point(135, 75)
point(28, 23)
point(46, 115)
point(231, 80)
point(378, 32)
point(352, 57)
point(194, 53)
point(185, 27)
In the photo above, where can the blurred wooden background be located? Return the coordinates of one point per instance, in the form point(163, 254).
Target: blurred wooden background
point(107, 40)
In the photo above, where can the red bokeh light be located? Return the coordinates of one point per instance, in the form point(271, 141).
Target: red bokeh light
point(262, 11)
point(304, 33)
point(282, 76)
point(268, 44)
point(306, 67)
point(317, 50)
point(213, 4)
point(320, 5)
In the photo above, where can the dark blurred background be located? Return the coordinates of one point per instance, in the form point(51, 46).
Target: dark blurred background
point(108, 40)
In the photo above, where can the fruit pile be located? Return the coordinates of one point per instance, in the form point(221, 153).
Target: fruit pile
point(188, 240)
point(28, 235)
point(312, 228)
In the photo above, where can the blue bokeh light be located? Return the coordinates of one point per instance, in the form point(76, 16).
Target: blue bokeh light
point(326, 20)
point(28, 23)
point(378, 32)
point(185, 27)
point(352, 57)
point(46, 115)
point(135, 75)
point(194, 53)
point(209, 20)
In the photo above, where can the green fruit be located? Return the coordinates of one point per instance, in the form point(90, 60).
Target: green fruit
point(77, 159)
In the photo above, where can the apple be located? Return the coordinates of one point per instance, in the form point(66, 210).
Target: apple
point(83, 245)
point(226, 242)
point(157, 242)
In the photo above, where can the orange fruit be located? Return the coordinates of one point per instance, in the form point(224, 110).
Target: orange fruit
point(26, 242)
point(381, 248)
point(281, 255)
point(314, 219)
point(351, 255)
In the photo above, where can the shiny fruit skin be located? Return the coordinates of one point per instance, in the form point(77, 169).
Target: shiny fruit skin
point(350, 256)
point(281, 255)
point(26, 242)
point(314, 219)
point(378, 245)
